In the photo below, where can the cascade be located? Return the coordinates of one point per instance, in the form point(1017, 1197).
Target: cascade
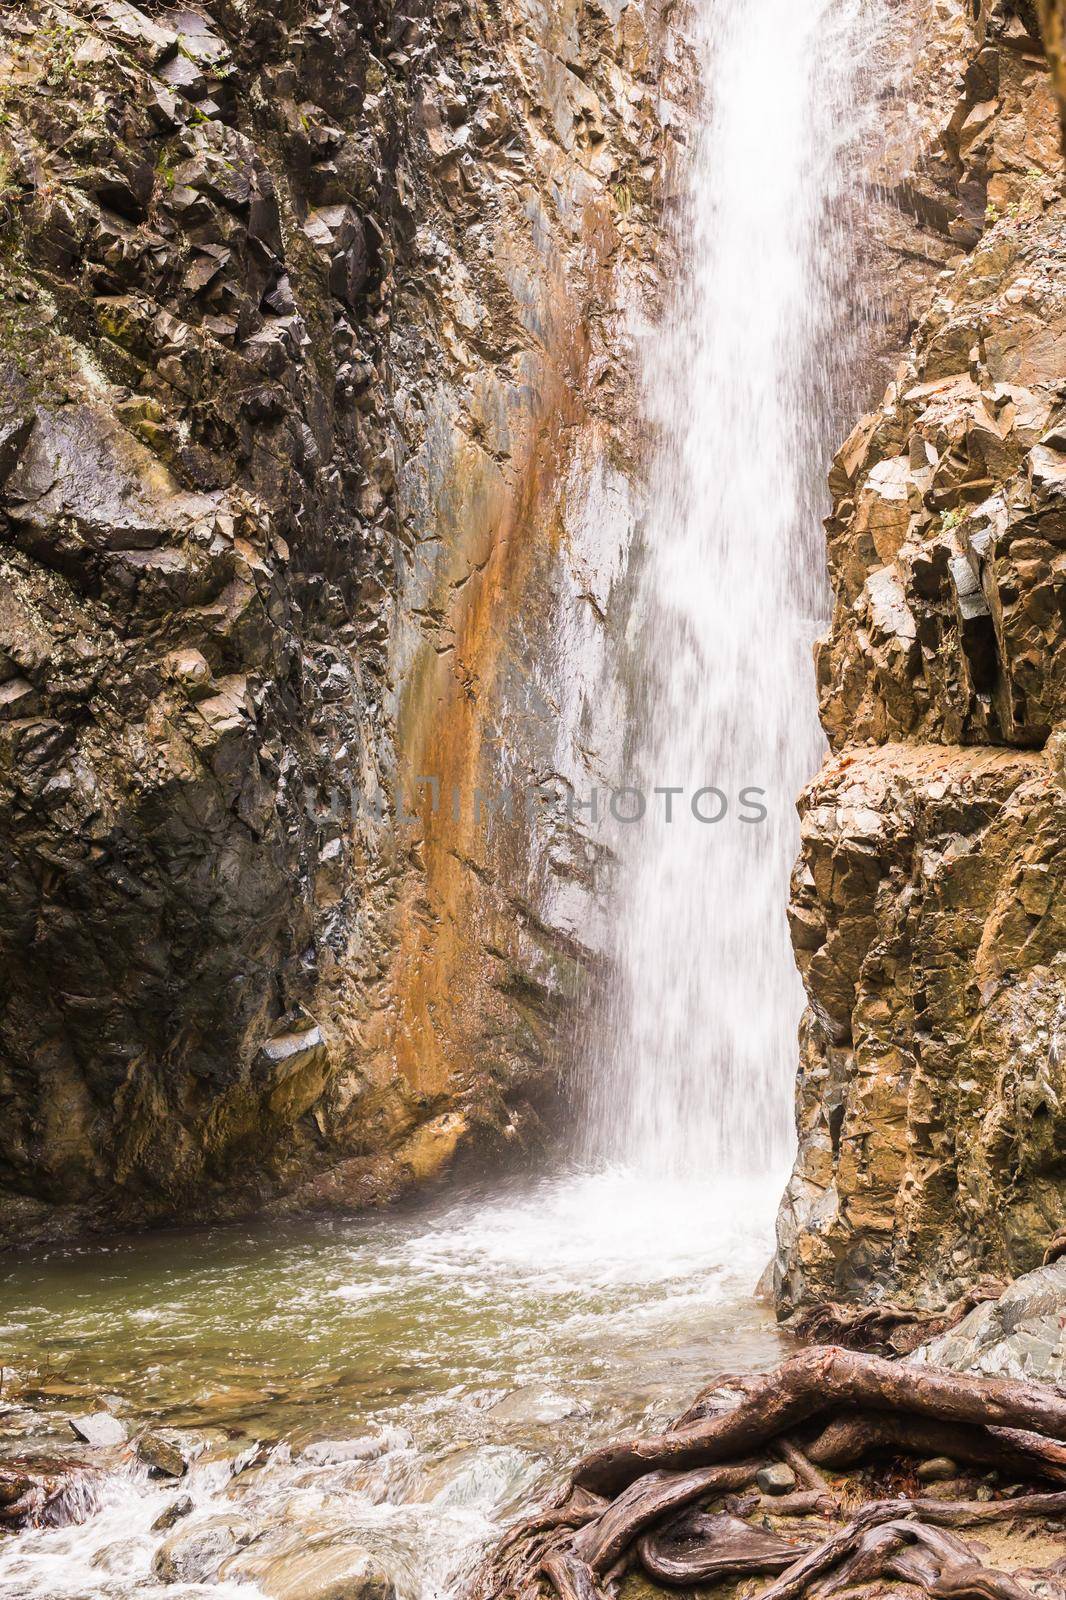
point(694, 1067)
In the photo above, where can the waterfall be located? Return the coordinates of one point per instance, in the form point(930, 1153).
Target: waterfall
point(695, 1065)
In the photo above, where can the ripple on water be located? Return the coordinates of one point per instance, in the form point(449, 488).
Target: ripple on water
point(465, 1353)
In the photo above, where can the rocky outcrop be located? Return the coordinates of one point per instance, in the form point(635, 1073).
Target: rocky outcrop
point(312, 324)
point(929, 904)
point(1021, 1335)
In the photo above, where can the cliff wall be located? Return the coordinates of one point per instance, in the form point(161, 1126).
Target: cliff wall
point(313, 328)
point(929, 904)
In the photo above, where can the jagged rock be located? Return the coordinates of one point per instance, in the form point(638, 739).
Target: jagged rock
point(1020, 1335)
point(928, 901)
point(281, 498)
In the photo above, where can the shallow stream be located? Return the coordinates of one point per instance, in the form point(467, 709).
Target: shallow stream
point(414, 1379)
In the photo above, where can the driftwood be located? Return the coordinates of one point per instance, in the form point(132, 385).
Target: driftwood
point(680, 1505)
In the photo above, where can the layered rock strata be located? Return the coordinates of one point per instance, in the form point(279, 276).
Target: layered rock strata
point(313, 333)
point(929, 903)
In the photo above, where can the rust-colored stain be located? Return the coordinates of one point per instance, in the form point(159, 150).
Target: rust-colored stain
point(439, 972)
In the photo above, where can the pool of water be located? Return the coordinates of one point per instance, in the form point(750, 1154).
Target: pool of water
point(412, 1380)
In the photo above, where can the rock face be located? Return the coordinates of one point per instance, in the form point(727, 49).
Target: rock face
point(1021, 1335)
point(313, 337)
point(929, 904)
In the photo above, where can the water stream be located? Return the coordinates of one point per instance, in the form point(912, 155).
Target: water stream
point(402, 1385)
point(414, 1379)
point(744, 380)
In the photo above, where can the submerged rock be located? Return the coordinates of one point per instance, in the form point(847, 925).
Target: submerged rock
point(195, 1554)
point(318, 1572)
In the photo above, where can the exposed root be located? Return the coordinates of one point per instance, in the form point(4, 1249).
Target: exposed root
point(856, 1436)
point(887, 1329)
point(681, 1504)
point(811, 1383)
point(698, 1548)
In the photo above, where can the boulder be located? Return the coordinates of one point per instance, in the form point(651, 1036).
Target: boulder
point(316, 1572)
point(195, 1554)
point(1020, 1335)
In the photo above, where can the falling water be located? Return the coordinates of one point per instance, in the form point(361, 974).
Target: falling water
point(744, 382)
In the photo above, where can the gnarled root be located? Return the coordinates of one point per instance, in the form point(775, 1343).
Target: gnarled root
point(816, 1381)
point(698, 1548)
point(658, 1501)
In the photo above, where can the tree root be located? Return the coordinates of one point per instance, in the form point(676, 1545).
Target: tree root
point(811, 1383)
point(887, 1329)
point(698, 1548)
point(658, 1502)
point(855, 1436)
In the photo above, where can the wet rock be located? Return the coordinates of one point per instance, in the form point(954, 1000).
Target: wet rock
point(535, 1403)
point(164, 1457)
point(181, 1507)
point(317, 1572)
point(927, 904)
point(777, 1478)
point(256, 479)
point(99, 1428)
point(195, 1554)
point(938, 1469)
point(330, 1452)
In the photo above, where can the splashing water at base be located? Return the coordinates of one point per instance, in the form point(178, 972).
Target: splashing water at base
point(475, 1351)
point(743, 378)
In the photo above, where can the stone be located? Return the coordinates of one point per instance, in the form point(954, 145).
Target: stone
point(534, 1403)
point(777, 1478)
point(1021, 1335)
point(181, 1507)
point(330, 1452)
point(195, 1554)
point(161, 1455)
point(325, 1571)
point(191, 670)
point(937, 1469)
point(99, 1429)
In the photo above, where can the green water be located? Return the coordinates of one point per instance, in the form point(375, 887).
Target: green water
point(471, 1350)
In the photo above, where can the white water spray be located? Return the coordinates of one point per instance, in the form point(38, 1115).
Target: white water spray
point(696, 1070)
